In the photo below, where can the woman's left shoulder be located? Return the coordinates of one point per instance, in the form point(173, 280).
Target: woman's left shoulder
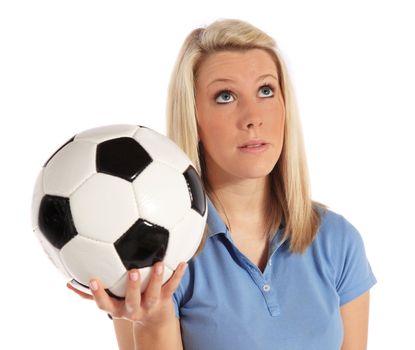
point(343, 245)
point(336, 229)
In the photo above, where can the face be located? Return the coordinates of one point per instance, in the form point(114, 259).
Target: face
point(240, 114)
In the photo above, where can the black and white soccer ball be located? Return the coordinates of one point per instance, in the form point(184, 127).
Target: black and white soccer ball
point(114, 198)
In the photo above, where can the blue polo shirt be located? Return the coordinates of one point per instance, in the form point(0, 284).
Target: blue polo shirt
point(224, 301)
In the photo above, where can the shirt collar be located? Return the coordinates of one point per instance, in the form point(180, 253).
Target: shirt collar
point(216, 224)
point(214, 221)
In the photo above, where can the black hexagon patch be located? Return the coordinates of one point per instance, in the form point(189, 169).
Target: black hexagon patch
point(55, 220)
point(196, 191)
point(142, 245)
point(123, 157)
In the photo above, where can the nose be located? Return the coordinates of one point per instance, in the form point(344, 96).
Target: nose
point(253, 124)
point(251, 116)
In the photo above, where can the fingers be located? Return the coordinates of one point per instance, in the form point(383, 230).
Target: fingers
point(133, 293)
point(174, 281)
point(82, 294)
point(102, 299)
point(136, 305)
point(151, 295)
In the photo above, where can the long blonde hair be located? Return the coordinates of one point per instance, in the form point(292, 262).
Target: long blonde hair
point(291, 203)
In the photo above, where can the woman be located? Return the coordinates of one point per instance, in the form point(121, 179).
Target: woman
point(276, 270)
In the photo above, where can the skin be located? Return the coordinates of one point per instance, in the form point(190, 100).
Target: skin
point(355, 316)
point(247, 106)
point(238, 100)
point(239, 180)
point(143, 320)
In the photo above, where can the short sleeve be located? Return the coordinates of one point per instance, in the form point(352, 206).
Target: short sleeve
point(353, 273)
point(179, 296)
point(176, 302)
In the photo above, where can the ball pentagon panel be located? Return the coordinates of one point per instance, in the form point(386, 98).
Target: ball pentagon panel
point(123, 157)
point(51, 252)
point(197, 193)
point(142, 245)
point(55, 220)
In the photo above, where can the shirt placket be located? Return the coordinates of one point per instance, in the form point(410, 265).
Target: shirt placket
point(263, 280)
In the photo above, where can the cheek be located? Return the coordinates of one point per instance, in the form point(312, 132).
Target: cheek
point(212, 126)
point(215, 139)
point(278, 133)
point(213, 136)
point(280, 123)
point(278, 120)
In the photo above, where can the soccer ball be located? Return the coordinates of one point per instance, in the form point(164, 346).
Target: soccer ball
point(114, 198)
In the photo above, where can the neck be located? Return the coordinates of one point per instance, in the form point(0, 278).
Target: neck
point(241, 203)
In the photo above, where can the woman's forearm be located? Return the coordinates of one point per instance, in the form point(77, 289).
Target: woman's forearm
point(161, 338)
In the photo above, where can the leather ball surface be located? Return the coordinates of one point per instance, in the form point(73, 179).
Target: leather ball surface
point(114, 198)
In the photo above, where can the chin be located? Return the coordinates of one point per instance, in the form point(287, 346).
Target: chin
point(255, 172)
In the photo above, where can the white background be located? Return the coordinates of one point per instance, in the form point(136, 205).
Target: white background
point(66, 66)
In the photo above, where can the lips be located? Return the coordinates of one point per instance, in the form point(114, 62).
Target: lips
point(253, 144)
point(254, 147)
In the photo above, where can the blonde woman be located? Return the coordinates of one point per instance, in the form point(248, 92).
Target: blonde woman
point(276, 270)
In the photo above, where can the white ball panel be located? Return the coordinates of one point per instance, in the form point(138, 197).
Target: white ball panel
point(80, 287)
point(37, 196)
point(69, 168)
point(145, 274)
point(167, 273)
point(52, 253)
point(119, 287)
point(104, 207)
point(162, 195)
point(86, 258)
point(104, 133)
point(185, 238)
point(163, 149)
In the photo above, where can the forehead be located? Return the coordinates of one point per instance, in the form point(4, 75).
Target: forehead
point(233, 64)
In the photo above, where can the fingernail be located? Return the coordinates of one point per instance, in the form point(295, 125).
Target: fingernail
point(159, 269)
point(184, 267)
point(134, 276)
point(93, 285)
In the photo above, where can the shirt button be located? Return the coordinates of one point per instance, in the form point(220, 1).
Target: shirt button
point(266, 287)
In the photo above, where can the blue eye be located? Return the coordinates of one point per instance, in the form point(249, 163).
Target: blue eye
point(266, 91)
point(224, 97)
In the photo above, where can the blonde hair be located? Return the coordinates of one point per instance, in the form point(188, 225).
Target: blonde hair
point(291, 203)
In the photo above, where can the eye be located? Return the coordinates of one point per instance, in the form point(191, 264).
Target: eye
point(223, 97)
point(266, 91)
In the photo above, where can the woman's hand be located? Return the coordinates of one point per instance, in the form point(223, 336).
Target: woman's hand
point(153, 307)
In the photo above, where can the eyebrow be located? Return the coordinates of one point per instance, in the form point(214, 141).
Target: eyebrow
point(226, 80)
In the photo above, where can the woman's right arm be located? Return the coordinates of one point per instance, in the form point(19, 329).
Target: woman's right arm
point(143, 320)
point(126, 331)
